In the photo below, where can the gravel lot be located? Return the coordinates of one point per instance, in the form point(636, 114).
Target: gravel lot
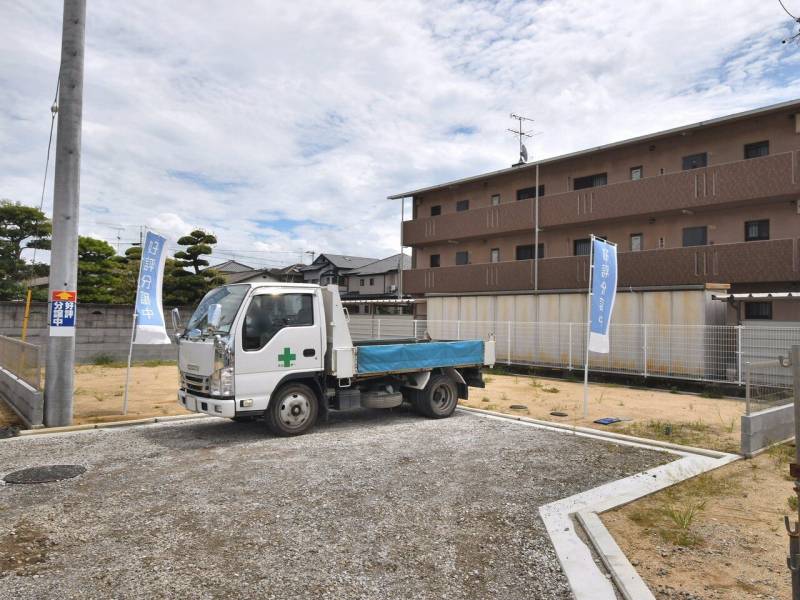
point(370, 505)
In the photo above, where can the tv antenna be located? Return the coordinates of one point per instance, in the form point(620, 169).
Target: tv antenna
point(521, 134)
point(795, 19)
point(114, 227)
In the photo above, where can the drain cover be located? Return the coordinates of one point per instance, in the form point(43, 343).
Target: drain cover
point(558, 413)
point(518, 407)
point(45, 474)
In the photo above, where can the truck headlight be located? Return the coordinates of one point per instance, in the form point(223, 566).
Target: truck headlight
point(221, 382)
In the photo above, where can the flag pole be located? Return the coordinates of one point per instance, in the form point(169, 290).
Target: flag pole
point(128, 370)
point(588, 329)
point(133, 327)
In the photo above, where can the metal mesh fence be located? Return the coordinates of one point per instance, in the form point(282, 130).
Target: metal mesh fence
point(22, 360)
point(710, 353)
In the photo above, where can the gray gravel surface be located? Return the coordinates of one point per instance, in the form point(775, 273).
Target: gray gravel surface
point(372, 504)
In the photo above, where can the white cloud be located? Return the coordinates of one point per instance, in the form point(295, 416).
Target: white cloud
point(220, 115)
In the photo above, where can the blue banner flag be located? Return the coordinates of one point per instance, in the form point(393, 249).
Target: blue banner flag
point(604, 291)
point(150, 327)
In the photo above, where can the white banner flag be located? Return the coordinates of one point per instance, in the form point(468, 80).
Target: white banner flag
point(150, 326)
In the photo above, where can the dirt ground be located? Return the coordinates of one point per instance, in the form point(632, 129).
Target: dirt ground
point(99, 394)
point(720, 535)
point(687, 419)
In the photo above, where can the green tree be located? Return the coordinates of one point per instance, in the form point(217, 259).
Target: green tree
point(21, 227)
point(183, 287)
point(197, 243)
point(100, 273)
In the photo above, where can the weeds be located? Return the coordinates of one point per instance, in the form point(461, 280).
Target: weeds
point(485, 399)
point(103, 360)
point(159, 363)
point(551, 390)
point(504, 397)
point(487, 379)
point(534, 384)
point(491, 406)
point(711, 392)
point(681, 519)
point(792, 502)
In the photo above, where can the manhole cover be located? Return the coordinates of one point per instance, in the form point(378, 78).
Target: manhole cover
point(558, 413)
point(518, 407)
point(45, 474)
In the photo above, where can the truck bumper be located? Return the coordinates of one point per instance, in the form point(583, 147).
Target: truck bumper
point(215, 407)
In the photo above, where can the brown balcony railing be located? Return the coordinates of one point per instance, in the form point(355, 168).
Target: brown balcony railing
point(758, 178)
point(747, 262)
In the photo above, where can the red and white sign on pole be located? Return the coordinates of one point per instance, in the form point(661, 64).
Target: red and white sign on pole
point(62, 313)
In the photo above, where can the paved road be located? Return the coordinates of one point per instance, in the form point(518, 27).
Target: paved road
point(370, 505)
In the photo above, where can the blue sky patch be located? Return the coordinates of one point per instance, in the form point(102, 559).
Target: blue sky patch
point(206, 182)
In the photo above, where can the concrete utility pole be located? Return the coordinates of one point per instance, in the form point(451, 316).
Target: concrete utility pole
point(59, 381)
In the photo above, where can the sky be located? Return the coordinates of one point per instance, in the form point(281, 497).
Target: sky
point(282, 127)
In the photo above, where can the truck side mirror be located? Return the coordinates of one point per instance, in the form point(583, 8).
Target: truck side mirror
point(176, 319)
point(214, 316)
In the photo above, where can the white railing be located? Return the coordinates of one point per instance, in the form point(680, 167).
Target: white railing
point(712, 353)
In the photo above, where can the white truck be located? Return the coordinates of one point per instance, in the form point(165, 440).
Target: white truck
point(283, 352)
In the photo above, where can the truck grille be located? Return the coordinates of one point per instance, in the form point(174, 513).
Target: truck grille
point(194, 383)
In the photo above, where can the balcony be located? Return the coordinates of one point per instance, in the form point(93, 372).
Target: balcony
point(748, 262)
point(745, 180)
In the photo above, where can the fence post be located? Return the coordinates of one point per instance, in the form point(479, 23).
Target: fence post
point(379, 329)
point(508, 352)
point(570, 346)
point(644, 347)
point(414, 321)
point(747, 388)
point(458, 329)
point(739, 354)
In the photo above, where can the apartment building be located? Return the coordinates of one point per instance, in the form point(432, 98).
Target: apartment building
point(712, 207)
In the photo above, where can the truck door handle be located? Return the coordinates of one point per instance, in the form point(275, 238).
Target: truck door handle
point(309, 352)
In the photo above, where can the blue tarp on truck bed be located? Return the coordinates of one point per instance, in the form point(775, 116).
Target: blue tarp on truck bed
point(425, 355)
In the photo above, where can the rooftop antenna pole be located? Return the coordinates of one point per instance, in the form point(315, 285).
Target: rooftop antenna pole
point(520, 133)
point(523, 158)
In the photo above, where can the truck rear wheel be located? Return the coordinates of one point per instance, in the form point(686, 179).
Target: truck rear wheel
point(439, 398)
point(292, 410)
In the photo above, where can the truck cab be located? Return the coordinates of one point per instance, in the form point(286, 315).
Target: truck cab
point(283, 352)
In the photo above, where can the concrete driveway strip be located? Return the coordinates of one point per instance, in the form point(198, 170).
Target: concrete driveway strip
point(371, 505)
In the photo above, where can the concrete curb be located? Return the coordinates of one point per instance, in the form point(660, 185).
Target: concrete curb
point(585, 578)
point(108, 425)
point(597, 433)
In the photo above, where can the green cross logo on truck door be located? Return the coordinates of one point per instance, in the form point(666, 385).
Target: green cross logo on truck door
point(286, 357)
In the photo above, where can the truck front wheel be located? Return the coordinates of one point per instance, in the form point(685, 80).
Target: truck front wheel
point(439, 398)
point(292, 410)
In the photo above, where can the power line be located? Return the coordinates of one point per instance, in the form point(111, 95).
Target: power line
point(787, 10)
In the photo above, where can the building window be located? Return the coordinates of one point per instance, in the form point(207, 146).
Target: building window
point(525, 252)
point(372, 281)
point(590, 181)
point(494, 255)
point(636, 173)
point(756, 230)
point(462, 257)
point(434, 260)
point(695, 236)
point(530, 192)
point(662, 243)
point(436, 210)
point(636, 242)
point(758, 310)
point(756, 149)
point(462, 205)
point(361, 282)
point(495, 199)
point(581, 247)
point(695, 161)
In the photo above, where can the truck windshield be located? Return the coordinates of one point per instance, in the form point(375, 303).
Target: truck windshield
point(229, 297)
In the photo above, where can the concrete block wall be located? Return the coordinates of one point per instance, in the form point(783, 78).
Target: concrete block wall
point(101, 329)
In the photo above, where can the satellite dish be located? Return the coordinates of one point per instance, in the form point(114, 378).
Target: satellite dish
point(523, 153)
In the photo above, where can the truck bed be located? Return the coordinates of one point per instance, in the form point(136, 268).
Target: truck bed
point(387, 356)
